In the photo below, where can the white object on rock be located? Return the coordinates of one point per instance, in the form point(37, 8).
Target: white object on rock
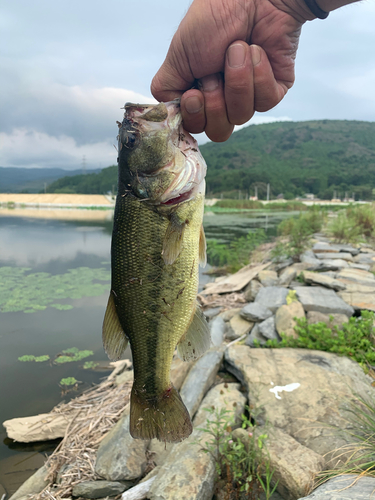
point(139, 492)
point(286, 388)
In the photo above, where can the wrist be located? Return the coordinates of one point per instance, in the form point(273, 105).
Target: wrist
point(300, 11)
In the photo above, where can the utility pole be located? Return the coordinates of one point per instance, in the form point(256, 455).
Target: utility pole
point(256, 192)
point(268, 192)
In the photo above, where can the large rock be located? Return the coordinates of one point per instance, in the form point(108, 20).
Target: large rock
point(159, 451)
point(43, 427)
point(284, 318)
point(229, 313)
point(320, 279)
point(252, 289)
point(309, 258)
point(359, 300)
point(313, 411)
point(200, 379)
point(356, 276)
point(120, 457)
point(268, 330)
point(287, 276)
point(187, 474)
point(329, 319)
point(272, 297)
point(268, 278)
point(365, 258)
point(346, 487)
point(238, 327)
point(339, 255)
point(331, 265)
point(255, 337)
point(217, 330)
point(99, 489)
point(322, 247)
point(314, 298)
point(255, 312)
point(33, 485)
point(222, 396)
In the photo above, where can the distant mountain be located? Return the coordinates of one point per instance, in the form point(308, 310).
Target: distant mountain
point(317, 157)
point(31, 180)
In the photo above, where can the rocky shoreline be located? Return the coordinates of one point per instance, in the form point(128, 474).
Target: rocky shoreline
point(302, 396)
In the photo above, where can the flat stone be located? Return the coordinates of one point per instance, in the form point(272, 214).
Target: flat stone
point(211, 313)
point(188, 473)
point(252, 289)
point(255, 312)
point(312, 411)
point(159, 451)
point(323, 247)
point(272, 297)
point(318, 317)
point(33, 485)
point(228, 315)
point(200, 379)
point(268, 330)
point(238, 327)
point(348, 487)
point(326, 281)
point(283, 263)
point(217, 329)
point(358, 276)
point(365, 258)
point(309, 258)
point(42, 427)
point(333, 256)
point(341, 247)
point(332, 265)
point(268, 278)
point(287, 276)
point(364, 267)
point(120, 457)
point(284, 318)
point(323, 300)
point(221, 397)
point(255, 335)
point(359, 301)
point(294, 465)
point(99, 489)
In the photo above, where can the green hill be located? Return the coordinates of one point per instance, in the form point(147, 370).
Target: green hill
point(294, 157)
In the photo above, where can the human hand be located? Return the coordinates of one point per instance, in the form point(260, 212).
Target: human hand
point(240, 53)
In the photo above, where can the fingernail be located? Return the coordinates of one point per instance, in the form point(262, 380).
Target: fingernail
point(236, 55)
point(255, 54)
point(210, 83)
point(193, 105)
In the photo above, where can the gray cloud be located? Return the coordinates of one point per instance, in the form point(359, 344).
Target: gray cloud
point(67, 68)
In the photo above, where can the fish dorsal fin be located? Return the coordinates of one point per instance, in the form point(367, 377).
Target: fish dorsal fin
point(202, 248)
point(172, 244)
point(197, 340)
point(114, 339)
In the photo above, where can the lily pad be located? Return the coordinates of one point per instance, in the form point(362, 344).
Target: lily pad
point(68, 381)
point(73, 354)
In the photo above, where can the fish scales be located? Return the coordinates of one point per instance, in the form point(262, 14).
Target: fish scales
point(157, 244)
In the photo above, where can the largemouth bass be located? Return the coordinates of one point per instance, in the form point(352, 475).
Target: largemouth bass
point(157, 244)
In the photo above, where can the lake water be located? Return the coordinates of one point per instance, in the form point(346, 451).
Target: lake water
point(54, 284)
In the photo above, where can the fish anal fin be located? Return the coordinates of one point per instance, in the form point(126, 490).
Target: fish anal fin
point(197, 339)
point(202, 248)
point(114, 339)
point(165, 418)
point(172, 244)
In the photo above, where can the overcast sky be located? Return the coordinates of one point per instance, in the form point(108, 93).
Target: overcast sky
point(66, 69)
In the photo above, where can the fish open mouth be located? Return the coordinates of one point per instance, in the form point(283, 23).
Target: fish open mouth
point(179, 199)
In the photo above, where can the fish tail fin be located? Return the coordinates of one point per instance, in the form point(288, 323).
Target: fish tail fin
point(165, 418)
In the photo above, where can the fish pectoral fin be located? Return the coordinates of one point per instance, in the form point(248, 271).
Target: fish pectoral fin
point(114, 339)
point(172, 244)
point(202, 248)
point(197, 340)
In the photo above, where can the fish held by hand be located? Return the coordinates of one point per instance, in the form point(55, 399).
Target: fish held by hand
point(157, 244)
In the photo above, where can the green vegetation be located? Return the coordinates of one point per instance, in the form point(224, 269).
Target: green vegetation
point(237, 253)
point(72, 354)
point(298, 231)
point(96, 183)
point(353, 224)
point(241, 468)
point(295, 158)
point(90, 365)
point(21, 290)
point(356, 339)
point(68, 381)
point(30, 357)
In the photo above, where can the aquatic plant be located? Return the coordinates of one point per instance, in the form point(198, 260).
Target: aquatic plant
point(72, 354)
point(68, 381)
point(89, 365)
point(21, 290)
point(37, 359)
